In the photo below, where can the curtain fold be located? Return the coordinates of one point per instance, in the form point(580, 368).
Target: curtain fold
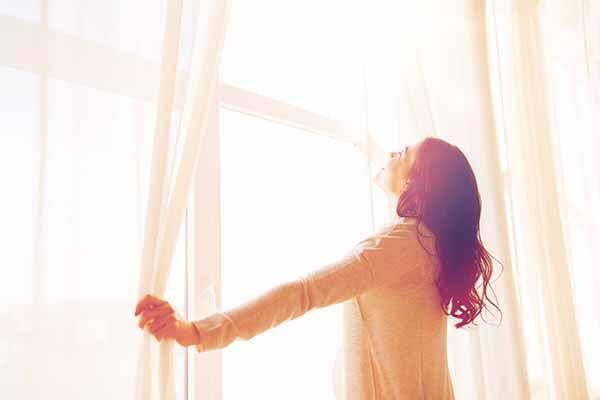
point(533, 151)
point(169, 189)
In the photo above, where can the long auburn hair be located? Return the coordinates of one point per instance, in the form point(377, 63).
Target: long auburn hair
point(442, 193)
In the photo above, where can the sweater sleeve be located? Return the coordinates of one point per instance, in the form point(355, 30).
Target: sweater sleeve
point(380, 259)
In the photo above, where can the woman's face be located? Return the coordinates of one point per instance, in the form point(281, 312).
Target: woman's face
point(395, 172)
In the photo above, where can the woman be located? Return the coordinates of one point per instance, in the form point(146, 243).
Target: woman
point(403, 281)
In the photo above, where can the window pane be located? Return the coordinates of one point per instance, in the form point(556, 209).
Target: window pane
point(302, 52)
point(113, 23)
point(292, 202)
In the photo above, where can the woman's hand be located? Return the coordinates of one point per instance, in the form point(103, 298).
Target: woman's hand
point(163, 322)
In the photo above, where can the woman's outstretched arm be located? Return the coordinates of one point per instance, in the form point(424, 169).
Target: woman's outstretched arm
point(380, 259)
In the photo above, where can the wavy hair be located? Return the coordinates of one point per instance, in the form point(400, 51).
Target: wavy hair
point(441, 192)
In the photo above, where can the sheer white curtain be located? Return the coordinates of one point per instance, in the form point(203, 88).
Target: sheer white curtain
point(515, 85)
point(89, 88)
point(173, 169)
point(545, 80)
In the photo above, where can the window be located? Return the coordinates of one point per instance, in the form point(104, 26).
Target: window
point(291, 202)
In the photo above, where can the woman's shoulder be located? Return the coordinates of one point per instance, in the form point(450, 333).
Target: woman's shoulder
point(409, 229)
point(401, 242)
point(406, 224)
point(398, 229)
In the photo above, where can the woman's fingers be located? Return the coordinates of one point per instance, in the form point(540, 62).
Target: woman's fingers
point(158, 315)
point(159, 322)
point(158, 311)
point(148, 301)
point(144, 319)
point(163, 328)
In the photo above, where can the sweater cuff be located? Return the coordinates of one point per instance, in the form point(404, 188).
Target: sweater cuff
point(215, 332)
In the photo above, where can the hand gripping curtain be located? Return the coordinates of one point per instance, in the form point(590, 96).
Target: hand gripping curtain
point(169, 189)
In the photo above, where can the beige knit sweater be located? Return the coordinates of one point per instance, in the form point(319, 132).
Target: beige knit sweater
point(394, 329)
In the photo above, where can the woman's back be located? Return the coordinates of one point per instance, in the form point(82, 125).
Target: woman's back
point(395, 334)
